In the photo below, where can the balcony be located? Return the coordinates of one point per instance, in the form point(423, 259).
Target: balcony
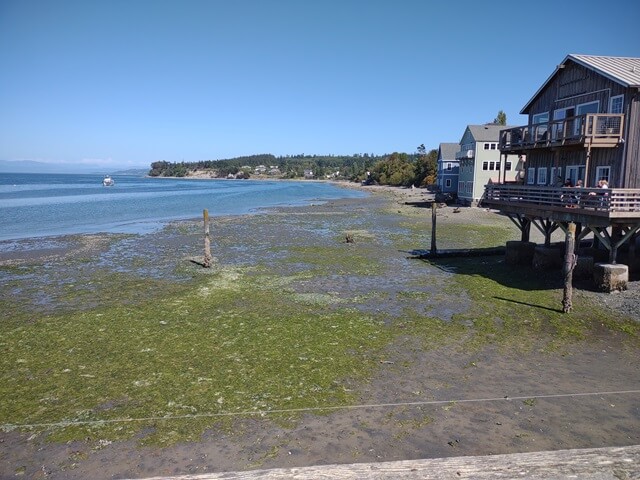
point(465, 153)
point(593, 206)
point(596, 130)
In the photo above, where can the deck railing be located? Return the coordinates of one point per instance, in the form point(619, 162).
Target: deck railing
point(605, 201)
point(599, 130)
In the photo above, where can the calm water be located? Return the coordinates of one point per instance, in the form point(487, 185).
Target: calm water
point(36, 205)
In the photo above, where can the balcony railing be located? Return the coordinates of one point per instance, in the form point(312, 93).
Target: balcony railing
point(595, 129)
point(611, 202)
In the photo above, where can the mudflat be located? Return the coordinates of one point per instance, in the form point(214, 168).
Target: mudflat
point(320, 336)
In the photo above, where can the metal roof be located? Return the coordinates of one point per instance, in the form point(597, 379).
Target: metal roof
point(622, 70)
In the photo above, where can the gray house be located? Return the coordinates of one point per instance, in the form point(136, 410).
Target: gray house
point(480, 161)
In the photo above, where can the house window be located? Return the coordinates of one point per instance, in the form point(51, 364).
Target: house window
point(492, 165)
point(602, 173)
point(507, 166)
point(555, 176)
point(615, 104)
point(469, 187)
point(493, 146)
point(497, 165)
point(448, 166)
point(460, 187)
point(447, 183)
point(540, 121)
point(531, 176)
point(542, 176)
point(486, 146)
point(485, 165)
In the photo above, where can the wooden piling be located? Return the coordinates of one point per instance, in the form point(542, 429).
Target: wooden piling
point(207, 241)
point(434, 250)
point(569, 264)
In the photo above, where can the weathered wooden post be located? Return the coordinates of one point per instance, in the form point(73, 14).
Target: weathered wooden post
point(207, 241)
point(434, 250)
point(569, 264)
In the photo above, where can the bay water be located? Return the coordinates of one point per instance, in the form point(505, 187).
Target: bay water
point(38, 205)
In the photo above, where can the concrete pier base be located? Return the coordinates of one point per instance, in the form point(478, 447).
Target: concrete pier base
point(610, 277)
point(547, 258)
point(519, 253)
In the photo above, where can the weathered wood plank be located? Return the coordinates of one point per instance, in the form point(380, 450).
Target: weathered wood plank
point(615, 463)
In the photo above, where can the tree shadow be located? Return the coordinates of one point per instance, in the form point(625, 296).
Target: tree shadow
point(542, 307)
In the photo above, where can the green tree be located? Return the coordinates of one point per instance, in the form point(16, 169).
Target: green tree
point(426, 167)
point(501, 118)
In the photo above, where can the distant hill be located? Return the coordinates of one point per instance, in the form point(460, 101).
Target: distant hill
point(28, 166)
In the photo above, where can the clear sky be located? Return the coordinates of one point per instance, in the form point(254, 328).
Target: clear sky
point(128, 82)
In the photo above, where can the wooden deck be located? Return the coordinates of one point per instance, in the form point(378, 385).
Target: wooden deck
point(613, 463)
point(595, 130)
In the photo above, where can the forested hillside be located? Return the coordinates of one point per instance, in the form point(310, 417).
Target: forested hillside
point(393, 169)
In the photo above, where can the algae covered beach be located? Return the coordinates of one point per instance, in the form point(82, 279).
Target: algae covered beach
point(123, 358)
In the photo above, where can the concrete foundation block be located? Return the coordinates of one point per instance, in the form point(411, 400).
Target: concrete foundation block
point(547, 258)
point(610, 277)
point(584, 267)
point(519, 253)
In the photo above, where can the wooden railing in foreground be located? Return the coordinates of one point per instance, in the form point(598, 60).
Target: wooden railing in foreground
point(614, 202)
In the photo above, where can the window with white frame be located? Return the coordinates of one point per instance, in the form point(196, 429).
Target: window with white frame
point(469, 187)
point(540, 118)
point(542, 176)
point(485, 165)
point(492, 165)
point(447, 183)
point(555, 175)
point(493, 146)
point(531, 176)
point(602, 173)
point(616, 104)
point(448, 166)
point(507, 165)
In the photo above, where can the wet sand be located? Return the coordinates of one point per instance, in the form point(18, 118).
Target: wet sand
point(421, 403)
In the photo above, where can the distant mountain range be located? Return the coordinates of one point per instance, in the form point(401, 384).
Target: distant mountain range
point(28, 166)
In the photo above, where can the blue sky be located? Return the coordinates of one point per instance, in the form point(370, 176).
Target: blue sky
point(123, 83)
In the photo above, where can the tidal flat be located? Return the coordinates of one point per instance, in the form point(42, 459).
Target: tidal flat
point(123, 357)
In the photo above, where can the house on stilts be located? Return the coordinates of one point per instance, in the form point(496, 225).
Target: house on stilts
point(583, 129)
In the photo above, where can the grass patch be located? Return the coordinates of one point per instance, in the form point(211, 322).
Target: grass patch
point(212, 349)
point(519, 309)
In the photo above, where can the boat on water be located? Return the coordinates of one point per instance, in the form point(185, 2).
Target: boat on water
point(107, 181)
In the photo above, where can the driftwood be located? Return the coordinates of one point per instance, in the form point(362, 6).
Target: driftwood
point(613, 463)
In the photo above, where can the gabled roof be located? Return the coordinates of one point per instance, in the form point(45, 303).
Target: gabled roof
point(489, 132)
point(448, 150)
point(622, 70)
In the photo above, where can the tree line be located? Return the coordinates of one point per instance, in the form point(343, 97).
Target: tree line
point(397, 169)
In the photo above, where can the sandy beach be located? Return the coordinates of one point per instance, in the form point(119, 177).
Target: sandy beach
point(511, 379)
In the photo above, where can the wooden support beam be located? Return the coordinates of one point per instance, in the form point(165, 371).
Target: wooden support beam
point(569, 264)
point(434, 250)
point(207, 241)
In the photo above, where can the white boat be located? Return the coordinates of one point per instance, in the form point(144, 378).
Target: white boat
point(108, 181)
